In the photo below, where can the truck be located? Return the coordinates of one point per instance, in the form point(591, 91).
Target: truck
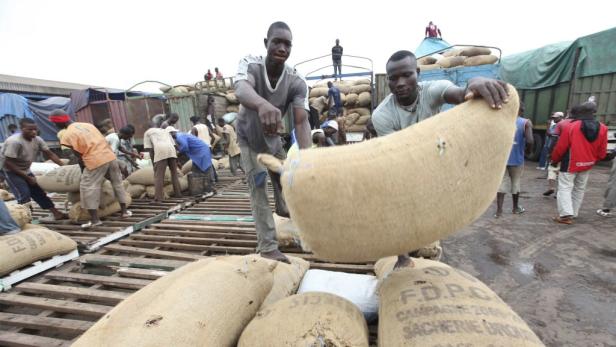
point(561, 75)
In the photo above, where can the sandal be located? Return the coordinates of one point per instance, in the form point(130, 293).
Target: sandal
point(519, 210)
point(563, 220)
point(127, 214)
point(548, 192)
point(89, 224)
point(602, 213)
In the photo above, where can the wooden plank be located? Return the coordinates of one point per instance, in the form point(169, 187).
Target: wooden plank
point(206, 226)
point(141, 273)
point(105, 296)
point(355, 268)
point(144, 263)
point(60, 325)
point(189, 247)
point(117, 282)
point(196, 240)
point(211, 234)
point(24, 340)
point(92, 310)
point(152, 252)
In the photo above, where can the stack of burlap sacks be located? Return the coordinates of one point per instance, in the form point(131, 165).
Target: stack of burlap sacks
point(470, 56)
point(5, 195)
point(218, 164)
point(65, 179)
point(140, 184)
point(356, 97)
point(234, 103)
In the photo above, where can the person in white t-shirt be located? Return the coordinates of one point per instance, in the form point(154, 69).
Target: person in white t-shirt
point(161, 147)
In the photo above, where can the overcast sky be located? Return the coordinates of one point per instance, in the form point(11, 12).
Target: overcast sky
point(119, 43)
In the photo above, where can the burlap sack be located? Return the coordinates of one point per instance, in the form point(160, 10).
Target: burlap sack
point(356, 128)
point(135, 190)
point(351, 119)
point(183, 183)
point(428, 67)
point(150, 191)
point(435, 302)
point(452, 52)
point(362, 120)
point(64, 179)
point(473, 51)
point(5, 195)
point(360, 88)
point(223, 163)
point(480, 60)
point(287, 278)
point(231, 98)
point(78, 214)
point(451, 62)
point(28, 246)
point(187, 167)
point(362, 111)
point(145, 176)
point(316, 92)
point(426, 60)
point(233, 108)
point(287, 233)
point(21, 214)
point(205, 303)
point(309, 319)
point(351, 100)
point(364, 99)
point(448, 175)
point(343, 87)
point(362, 81)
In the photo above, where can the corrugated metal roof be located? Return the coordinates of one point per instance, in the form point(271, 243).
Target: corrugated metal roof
point(18, 84)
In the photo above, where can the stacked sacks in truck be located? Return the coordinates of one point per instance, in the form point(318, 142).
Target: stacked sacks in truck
point(468, 56)
point(356, 98)
point(234, 103)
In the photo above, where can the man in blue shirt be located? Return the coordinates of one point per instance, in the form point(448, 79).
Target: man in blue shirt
point(334, 102)
point(199, 152)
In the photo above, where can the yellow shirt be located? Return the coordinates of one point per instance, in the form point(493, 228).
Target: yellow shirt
point(86, 140)
point(234, 148)
point(59, 135)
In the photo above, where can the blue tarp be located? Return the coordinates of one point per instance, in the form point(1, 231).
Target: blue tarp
point(14, 107)
point(430, 45)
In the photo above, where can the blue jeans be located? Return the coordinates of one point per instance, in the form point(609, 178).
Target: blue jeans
point(7, 224)
point(25, 192)
point(543, 158)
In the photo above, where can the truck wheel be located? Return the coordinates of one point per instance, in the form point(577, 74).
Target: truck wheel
point(537, 148)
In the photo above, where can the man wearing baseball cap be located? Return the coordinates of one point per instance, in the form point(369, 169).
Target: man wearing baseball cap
point(330, 128)
point(549, 140)
point(97, 162)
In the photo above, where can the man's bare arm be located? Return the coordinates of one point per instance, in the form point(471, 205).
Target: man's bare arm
point(494, 92)
point(52, 156)
point(270, 116)
point(302, 128)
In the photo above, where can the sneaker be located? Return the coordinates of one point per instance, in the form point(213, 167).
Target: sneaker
point(604, 213)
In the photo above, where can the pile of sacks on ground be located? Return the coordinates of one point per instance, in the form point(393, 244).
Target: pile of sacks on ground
point(470, 56)
point(140, 184)
point(218, 164)
point(253, 301)
point(234, 103)
point(356, 98)
point(32, 243)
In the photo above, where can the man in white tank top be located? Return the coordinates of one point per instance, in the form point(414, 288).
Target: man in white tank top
point(201, 130)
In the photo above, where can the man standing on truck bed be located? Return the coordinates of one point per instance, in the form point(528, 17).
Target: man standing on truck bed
point(266, 88)
point(433, 31)
point(337, 60)
point(411, 101)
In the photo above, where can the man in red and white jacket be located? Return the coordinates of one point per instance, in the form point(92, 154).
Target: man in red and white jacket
point(581, 144)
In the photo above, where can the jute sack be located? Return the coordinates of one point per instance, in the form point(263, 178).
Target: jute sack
point(205, 303)
point(5, 195)
point(362, 81)
point(187, 167)
point(480, 60)
point(309, 319)
point(145, 176)
point(183, 183)
point(320, 91)
point(150, 191)
point(107, 196)
point(21, 214)
point(351, 119)
point(451, 62)
point(287, 278)
point(78, 214)
point(426, 60)
point(448, 170)
point(433, 302)
point(361, 110)
point(28, 246)
point(231, 98)
point(351, 99)
point(364, 99)
point(452, 52)
point(473, 51)
point(287, 233)
point(428, 67)
point(64, 179)
point(135, 190)
point(223, 163)
point(355, 128)
point(360, 88)
point(343, 87)
point(362, 120)
point(233, 108)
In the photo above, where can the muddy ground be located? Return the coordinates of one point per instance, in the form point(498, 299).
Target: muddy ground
point(561, 279)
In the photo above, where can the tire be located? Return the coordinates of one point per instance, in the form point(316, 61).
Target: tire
point(537, 148)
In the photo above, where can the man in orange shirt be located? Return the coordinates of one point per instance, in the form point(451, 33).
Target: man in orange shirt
point(97, 162)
